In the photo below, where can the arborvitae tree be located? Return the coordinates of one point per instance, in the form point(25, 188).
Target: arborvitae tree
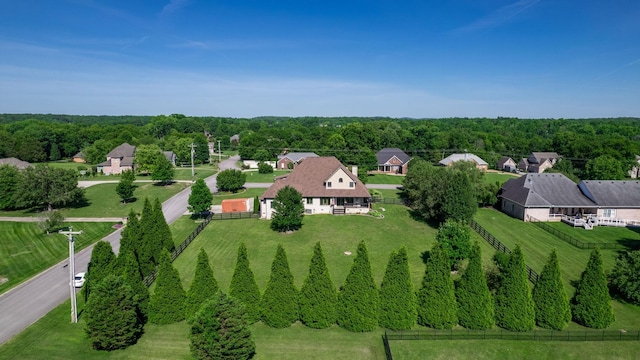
point(244, 287)
point(203, 287)
point(318, 296)
point(102, 263)
point(280, 299)
point(219, 331)
point(358, 299)
point(132, 277)
point(200, 199)
point(475, 304)
point(288, 210)
point(167, 303)
point(591, 304)
point(148, 244)
point(513, 303)
point(455, 239)
point(112, 317)
point(436, 298)
point(130, 239)
point(551, 303)
point(165, 237)
point(397, 297)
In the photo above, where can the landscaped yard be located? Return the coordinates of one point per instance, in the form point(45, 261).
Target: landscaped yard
point(26, 250)
point(243, 193)
point(181, 172)
point(385, 179)
point(492, 177)
point(600, 234)
point(255, 177)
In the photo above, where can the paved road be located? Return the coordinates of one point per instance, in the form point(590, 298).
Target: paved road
point(28, 302)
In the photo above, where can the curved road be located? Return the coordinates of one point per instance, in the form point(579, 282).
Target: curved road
point(31, 300)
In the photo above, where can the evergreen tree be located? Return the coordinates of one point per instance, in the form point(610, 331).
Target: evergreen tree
point(132, 277)
point(318, 296)
point(148, 244)
point(625, 276)
point(475, 304)
point(163, 231)
point(459, 202)
point(125, 186)
point(397, 297)
point(455, 239)
point(219, 331)
point(280, 299)
point(200, 199)
point(163, 170)
point(591, 304)
point(102, 263)
point(244, 287)
point(514, 307)
point(436, 298)
point(551, 303)
point(167, 304)
point(203, 287)
point(358, 299)
point(130, 238)
point(288, 210)
point(112, 317)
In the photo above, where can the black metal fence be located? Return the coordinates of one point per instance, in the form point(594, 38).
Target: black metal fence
point(573, 241)
point(498, 334)
point(531, 274)
point(234, 215)
point(393, 201)
point(387, 348)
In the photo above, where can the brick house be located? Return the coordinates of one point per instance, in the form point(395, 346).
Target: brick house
point(479, 163)
point(392, 161)
point(118, 160)
point(294, 158)
point(506, 164)
point(538, 162)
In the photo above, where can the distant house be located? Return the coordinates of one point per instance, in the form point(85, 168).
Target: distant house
point(327, 187)
point(15, 162)
point(506, 164)
point(634, 173)
point(538, 162)
point(235, 139)
point(118, 160)
point(293, 158)
point(79, 158)
point(392, 161)
point(171, 156)
point(449, 160)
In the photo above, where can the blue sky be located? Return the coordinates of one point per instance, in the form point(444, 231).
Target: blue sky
point(527, 58)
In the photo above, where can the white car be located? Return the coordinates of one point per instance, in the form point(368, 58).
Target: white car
point(78, 280)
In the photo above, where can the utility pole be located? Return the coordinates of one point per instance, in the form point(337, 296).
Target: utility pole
point(72, 272)
point(193, 151)
point(219, 153)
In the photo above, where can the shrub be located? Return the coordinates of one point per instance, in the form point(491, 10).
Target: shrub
point(455, 239)
point(591, 303)
point(280, 299)
point(167, 304)
point(203, 287)
point(513, 303)
point(551, 302)
point(318, 296)
point(397, 297)
point(243, 286)
point(475, 304)
point(625, 277)
point(436, 298)
point(264, 168)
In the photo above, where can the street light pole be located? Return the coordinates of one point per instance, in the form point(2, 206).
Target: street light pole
point(219, 153)
point(192, 153)
point(72, 272)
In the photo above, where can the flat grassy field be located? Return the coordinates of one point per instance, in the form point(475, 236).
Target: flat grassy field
point(600, 234)
point(26, 250)
point(244, 193)
point(182, 227)
point(492, 177)
point(385, 179)
point(181, 173)
point(255, 177)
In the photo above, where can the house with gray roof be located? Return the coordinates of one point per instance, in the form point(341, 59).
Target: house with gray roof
point(538, 162)
point(293, 158)
point(392, 161)
point(326, 185)
point(506, 164)
point(15, 162)
point(118, 160)
point(449, 160)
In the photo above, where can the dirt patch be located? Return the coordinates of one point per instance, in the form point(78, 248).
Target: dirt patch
point(3, 280)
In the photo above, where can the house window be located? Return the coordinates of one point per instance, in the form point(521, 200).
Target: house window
point(609, 213)
point(309, 201)
point(329, 184)
point(271, 205)
point(351, 184)
point(340, 180)
point(325, 201)
point(307, 211)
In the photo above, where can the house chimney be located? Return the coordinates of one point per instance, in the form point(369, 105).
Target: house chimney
point(354, 170)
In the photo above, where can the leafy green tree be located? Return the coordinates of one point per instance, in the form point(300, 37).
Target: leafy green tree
point(146, 157)
point(203, 287)
point(264, 168)
point(182, 149)
point(9, 179)
point(45, 187)
point(514, 306)
point(551, 303)
point(436, 298)
point(125, 186)
point(625, 276)
point(163, 170)
point(261, 156)
point(358, 298)
point(604, 167)
point(54, 152)
point(201, 150)
point(102, 264)
point(591, 303)
point(475, 304)
point(455, 239)
point(244, 287)
point(288, 210)
point(200, 199)
point(220, 331)
point(231, 180)
point(52, 221)
point(397, 296)
point(133, 278)
point(280, 299)
point(424, 187)
point(459, 201)
point(318, 296)
point(167, 303)
point(112, 317)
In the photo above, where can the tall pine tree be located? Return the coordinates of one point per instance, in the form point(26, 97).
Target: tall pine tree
point(397, 297)
point(162, 228)
point(148, 245)
point(318, 296)
point(280, 299)
point(358, 298)
point(132, 277)
point(130, 238)
point(475, 304)
point(103, 263)
point(513, 303)
point(436, 298)
point(244, 287)
point(591, 303)
point(551, 303)
point(203, 287)
point(167, 304)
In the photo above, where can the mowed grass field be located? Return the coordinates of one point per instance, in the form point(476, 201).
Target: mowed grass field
point(254, 177)
point(181, 173)
point(26, 250)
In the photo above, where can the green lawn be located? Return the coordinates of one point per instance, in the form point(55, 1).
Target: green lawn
point(255, 177)
point(244, 193)
point(182, 227)
point(181, 173)
point(600, 234)
point(492, 177)
point(385, 179)
point(26, 250)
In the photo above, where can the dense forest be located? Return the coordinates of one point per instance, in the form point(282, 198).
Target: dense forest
point(354, 140)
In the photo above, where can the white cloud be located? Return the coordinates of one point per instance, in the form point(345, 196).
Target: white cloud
point(173, 6)
point(499, 16)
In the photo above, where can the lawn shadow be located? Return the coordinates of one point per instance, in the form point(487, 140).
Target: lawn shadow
point(631, 244)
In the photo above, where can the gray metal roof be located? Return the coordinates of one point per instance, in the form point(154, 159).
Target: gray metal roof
point(545, 190)
point(15, 162)
point(386, 154)
point(612, 193)
point(121, 151)
point(462, 157)
point(297, 156)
